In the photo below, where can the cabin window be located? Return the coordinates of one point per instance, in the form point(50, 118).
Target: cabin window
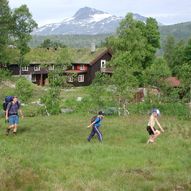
point(51, 67)
point(82, 67)
point(25, 68)
point(81, 78)
point(70, 79)
point(103, 63)
point(36, 68)
point(73, 68)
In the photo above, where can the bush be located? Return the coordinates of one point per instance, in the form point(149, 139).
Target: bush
point(176, 109)
point(24, 89)
point(4, 74)
point(51, 101)
point(30, 110)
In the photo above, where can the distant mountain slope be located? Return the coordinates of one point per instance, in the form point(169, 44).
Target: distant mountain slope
point(181, 31)
point(87, 21)
point(90, 25)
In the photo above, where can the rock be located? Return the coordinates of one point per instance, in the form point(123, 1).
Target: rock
point(66, 110)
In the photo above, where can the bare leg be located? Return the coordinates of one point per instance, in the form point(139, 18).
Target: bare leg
point(14, 129)
point(151, 139)
point(157, 133)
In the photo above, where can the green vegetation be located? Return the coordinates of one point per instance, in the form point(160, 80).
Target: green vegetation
point(24, 89)
point(179, 31)
point(16, 28)
point(51, 153)
point(48, 56)
point(74, 41)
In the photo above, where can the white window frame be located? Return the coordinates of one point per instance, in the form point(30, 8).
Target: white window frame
point(51, 67)
point(25, 69)
point(81, 78)
point(36, 68)
point(70, 79)
point(82, 67)
point(103, 63)
point(73, 67)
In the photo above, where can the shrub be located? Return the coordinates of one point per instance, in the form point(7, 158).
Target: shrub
point(24, 89)
point(51, 101)
point(4, 74)
point(176, 109)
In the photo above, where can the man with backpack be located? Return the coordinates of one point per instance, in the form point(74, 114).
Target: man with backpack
point(12, 115)
point(95, 124)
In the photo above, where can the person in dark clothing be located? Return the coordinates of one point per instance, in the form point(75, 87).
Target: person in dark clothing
point(95, 127)
point(12, 115)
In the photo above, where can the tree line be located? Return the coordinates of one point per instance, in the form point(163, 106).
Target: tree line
point(135, 64)
point(15, 31)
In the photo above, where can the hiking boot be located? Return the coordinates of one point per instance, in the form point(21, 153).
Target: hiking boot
point(7, 131)
point(14, 133)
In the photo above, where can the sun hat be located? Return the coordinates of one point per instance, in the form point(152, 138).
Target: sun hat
point(156, 111)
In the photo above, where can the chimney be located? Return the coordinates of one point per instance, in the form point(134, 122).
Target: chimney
point(93, 47)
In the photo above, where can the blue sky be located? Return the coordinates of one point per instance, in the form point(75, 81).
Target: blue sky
point(165, 11)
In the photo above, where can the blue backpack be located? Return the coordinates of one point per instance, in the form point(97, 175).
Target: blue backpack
point(8, 99)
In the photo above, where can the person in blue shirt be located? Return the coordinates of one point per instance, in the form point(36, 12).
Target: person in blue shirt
point(95, 127)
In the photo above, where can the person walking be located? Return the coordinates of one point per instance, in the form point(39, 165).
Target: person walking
point(12, 115)
point(95, 124)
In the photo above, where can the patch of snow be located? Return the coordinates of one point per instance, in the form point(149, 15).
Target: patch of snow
point(55, 26)
point(99, 17)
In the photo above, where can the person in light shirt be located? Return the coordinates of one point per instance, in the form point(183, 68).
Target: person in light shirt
point(154, 133)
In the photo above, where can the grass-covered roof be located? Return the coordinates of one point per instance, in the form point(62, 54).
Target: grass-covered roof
point(42, 55)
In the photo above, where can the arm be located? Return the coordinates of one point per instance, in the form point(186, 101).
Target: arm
point(21, 113)
point(19, 109)
point(91, 124)
point(94, 122)
point(7, 111)
point(6, 114)
point(159, 125)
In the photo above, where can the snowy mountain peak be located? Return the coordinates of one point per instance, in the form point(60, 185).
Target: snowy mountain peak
point(86, 12)
point(85, 21)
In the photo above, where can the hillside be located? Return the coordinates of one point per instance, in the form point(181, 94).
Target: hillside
point(75, 41)
point(85, 21)
point(181, 31)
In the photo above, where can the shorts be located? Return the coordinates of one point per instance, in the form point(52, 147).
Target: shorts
point(13, 120)
point(150, 130)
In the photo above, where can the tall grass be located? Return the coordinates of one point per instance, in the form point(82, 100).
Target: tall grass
point(51, 153)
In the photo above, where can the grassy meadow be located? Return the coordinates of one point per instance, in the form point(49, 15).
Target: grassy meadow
point(51, 153)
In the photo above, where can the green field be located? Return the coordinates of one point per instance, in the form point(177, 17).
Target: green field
point(51, 153)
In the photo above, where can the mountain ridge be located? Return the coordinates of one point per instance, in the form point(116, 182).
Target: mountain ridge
point(86, 21)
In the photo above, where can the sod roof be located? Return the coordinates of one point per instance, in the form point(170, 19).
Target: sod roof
point(42, 56)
